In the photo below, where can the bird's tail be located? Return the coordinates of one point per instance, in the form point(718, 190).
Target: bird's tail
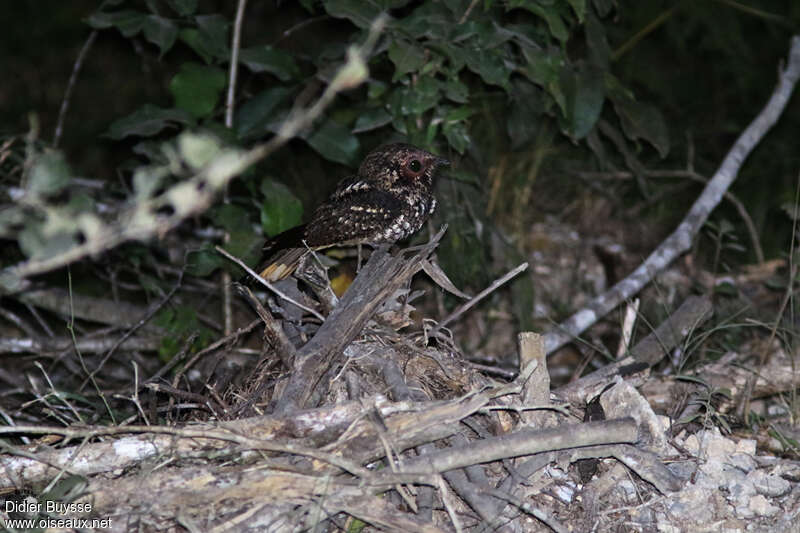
point(282, 254)
point(282, 264)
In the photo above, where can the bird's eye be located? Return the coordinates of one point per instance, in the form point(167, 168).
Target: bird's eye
point(415, 165)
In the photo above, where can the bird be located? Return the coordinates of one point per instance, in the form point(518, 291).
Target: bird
point(387, 200)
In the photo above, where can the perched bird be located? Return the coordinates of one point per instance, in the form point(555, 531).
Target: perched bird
point(389, 199)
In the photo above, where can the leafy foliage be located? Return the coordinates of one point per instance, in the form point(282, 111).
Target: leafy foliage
point(513, 91)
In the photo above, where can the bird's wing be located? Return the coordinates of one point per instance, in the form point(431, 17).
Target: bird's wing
point(353, 214)
point(348, 186)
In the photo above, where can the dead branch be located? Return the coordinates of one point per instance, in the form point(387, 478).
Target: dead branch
point(151, 217)
point(381, 277)
point(649, 351)
point(681, 239)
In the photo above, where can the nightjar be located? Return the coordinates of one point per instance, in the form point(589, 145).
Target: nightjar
point(389, 199)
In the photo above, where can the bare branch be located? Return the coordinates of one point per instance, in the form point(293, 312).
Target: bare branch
point(681, 239)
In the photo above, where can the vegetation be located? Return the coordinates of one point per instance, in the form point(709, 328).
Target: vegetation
point(603, 115)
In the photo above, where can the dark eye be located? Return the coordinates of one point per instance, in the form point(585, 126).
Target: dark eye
point(415, 166)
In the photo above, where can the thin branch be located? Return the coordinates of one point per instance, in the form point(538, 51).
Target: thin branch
point(73, 78)
point(158, 215)
point(694, 176)
point(268, 285)
point(236, 40)
point(141, 322)
point(466, 306)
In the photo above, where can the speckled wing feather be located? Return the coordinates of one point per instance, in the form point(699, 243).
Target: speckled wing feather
point(358, 215)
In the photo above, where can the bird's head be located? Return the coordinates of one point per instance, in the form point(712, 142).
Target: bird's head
point(401, 164)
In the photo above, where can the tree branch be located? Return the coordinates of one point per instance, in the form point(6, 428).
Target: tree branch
point(681, 239)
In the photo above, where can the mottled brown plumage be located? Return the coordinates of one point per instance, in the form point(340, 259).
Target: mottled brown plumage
point(389, 199)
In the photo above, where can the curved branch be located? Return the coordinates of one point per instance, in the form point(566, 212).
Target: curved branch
point(681, 239)
point(155, 216)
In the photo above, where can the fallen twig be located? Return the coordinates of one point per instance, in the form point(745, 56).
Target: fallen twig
point(466, 306)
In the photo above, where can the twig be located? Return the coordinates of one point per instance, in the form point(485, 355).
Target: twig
point(273, 331)
point(233, 71)
point(528, 508)
point(267, 284)
point(236, 39)
point(141, 322)
point(681, 239)
point(694, 176)
point(466, 306)
point(73, 78)
point(467, 12)
point(631, 310)
point(208, 349)
point(161, 214)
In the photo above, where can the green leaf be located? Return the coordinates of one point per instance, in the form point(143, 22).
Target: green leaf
point(210, 39)
point(371, 119)
point(643, 121)
point(550, 14)
point(335, 142)
point(376, 89)
point(245, 244)
point(579, 7)
point(127, 21)
point(252, 116)
point(455, 55)
point(459, 114)
point(456, 91)
point(489, 65)
point(358, 12)
point(38, 241)
point(230, 217)
point(268, 59)
point(480, 34)
point(242, 241)
point(147, 120)
point(183, 7)
point(406, 58)
point(584, 91)
point(160, 31)
point(596, 41)
point(192, 37)
point(196, 88)
point(415, 100)
point(280, 209)
point(457, 136)
point(204, 261)
point(423, 95)
point(179, 321)
point(430, 20)
point(544, 69)
point(604, 7)
point(49, 174)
